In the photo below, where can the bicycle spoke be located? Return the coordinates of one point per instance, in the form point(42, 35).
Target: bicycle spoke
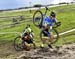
point(18, 43)
point(37, 18)
point(52, 40)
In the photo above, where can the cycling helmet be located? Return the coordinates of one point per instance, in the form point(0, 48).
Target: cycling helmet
point(27, 25)
point(53, 14)
point(28, 29)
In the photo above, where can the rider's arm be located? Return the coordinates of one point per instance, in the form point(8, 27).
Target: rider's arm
point(23, 33)
point(45, 21)
point(50, 27)
point(58, 23)
point(56, 20)
point(32, 33)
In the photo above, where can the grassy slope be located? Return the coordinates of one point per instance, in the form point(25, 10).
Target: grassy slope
point(65, 14)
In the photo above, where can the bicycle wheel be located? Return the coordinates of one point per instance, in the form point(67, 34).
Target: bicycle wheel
point(55, 34)
point(18, 43)
point(38, 18)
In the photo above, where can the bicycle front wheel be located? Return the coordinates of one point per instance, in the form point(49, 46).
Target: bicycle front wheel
point(38, 18)
point(55, 35)
point(18, 43)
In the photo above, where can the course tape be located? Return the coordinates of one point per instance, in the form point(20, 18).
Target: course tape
point(9, 32)
point(54, 35)
point(66, 32)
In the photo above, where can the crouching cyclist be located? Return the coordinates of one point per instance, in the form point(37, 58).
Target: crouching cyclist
point(28, 37)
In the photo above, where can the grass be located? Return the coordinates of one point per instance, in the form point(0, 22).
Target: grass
point(65, 14)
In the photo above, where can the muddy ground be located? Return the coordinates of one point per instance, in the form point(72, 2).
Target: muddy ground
point(7, 51)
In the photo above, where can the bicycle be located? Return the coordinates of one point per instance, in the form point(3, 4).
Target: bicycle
point(38, 22)
point(19, 43)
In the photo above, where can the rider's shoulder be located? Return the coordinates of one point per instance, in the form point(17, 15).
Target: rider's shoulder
point(46, 18)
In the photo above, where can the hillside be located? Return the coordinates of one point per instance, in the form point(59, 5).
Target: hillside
point(65, 14)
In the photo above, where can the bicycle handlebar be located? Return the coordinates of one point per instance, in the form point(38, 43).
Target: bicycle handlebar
point(47, 8)
point(57, 24)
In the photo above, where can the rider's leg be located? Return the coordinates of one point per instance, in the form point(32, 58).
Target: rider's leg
point(44, 41)
point(32, 40)
point(34, 44)
point(27, 46)
point(50, 38)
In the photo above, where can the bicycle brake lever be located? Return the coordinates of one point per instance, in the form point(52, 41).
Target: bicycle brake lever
point(57, 24)
point(47, 8)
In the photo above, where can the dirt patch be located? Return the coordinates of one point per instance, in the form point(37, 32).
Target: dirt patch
point(7, 51)
point(64, 52)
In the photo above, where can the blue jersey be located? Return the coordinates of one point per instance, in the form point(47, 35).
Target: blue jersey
point(49, 21)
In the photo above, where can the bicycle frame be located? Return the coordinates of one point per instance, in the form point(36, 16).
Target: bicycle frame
point(45, 12)
point(44, 15)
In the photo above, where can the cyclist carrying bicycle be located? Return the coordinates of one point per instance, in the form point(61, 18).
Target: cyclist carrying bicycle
point(47, 28)
point(28, 36)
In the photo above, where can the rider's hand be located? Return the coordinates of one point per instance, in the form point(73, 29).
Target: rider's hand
point(58, 23)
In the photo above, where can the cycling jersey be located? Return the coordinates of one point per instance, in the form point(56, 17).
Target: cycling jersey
point(48, 22)
point(28, 30)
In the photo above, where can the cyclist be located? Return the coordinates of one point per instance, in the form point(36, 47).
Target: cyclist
point(28, 36)
point(47, 28)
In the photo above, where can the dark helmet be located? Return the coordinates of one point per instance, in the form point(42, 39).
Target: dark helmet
point(28, 25)
point(53, 14)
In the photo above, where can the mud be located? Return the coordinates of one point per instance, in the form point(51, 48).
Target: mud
point(67, 51)
point(64, 52)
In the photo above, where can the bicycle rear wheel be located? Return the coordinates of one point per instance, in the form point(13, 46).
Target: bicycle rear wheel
point(55, 34)
point(38, 18)
point(18, 44)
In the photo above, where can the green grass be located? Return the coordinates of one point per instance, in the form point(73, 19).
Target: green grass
point(26, 13)
point(65, 14)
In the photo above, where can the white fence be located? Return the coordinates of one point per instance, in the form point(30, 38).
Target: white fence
point(66, 32)
point(9, 33)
